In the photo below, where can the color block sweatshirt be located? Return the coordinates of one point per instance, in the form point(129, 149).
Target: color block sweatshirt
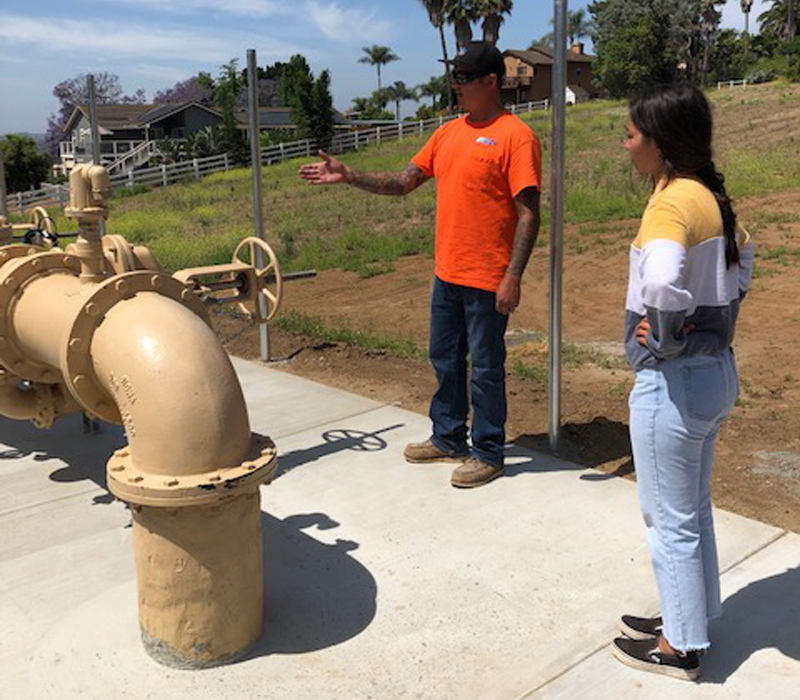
point(678, 277)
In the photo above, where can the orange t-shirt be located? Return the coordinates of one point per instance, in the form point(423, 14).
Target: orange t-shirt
point(479, 168)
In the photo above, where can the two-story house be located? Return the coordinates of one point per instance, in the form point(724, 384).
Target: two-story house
point(529, 75)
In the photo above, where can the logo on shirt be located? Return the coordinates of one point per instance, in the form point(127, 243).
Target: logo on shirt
point(485, 141)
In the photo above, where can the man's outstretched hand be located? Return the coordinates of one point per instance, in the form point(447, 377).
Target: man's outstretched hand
point(329, 171)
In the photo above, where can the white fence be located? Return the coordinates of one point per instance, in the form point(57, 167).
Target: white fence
point(48, 195)
point(731, 83)
point(163, 175)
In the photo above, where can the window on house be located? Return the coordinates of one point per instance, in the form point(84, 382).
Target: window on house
point(179, 132)
point(520, 71)
point(157, 133)
point(578, 71)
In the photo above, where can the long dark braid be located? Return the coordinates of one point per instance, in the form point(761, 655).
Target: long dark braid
point(715, 181)
point(678, 118)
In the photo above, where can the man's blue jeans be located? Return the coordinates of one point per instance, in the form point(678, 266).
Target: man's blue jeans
point(676, 412)
point(464, 321)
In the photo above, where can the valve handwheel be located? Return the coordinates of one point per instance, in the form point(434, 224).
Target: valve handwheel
point(41, 220)
point(269, 280)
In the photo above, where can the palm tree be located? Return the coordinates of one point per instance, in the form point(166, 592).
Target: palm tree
point(361, 105)
point(578, 25)
point(492, 12)
point(398, 92)
point(429, 89)
point(709, 21)
point(435, 10)
point(461, 14)
point(378, 56)
point(545, 40)
point(746, 6)
point(779, 19)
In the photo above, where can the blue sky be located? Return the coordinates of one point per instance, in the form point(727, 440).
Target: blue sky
point(152, 44)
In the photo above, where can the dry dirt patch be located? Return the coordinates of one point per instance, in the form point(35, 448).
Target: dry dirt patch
point(756, 471)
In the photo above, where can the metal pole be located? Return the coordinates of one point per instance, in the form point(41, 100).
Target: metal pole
point(258, 197)
point(3, 195)
point(557, 218)
point(93, 120)
point(96, 159)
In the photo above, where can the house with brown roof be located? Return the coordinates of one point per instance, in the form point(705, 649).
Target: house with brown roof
point(529, 74)
point(129, 132)
point(126, 129)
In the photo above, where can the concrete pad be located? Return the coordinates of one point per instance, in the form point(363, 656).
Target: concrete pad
point(281, 403)
point(381, 580)
point(756, 645)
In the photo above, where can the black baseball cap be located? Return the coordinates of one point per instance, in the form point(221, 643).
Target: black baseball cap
point(479, 58)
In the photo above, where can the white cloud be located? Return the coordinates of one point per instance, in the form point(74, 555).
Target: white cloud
point(247, 8)
point(344, 25)
point(120, 40)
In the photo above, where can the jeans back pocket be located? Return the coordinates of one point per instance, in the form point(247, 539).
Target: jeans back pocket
point(706, 391)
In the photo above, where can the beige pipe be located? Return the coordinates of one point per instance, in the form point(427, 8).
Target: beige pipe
point(199, 569)
point(42, 315)
point(177, 392)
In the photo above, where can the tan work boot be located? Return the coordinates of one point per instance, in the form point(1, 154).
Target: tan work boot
point(419, 452)
point(474, 472)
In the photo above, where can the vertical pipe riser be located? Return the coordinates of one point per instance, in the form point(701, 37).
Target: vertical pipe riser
point(200, 581)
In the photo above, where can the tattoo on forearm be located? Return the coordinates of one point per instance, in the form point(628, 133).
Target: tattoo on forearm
point(388, 183)
point(526, 233)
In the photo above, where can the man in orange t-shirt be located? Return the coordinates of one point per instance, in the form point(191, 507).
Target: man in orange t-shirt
point(487, 166)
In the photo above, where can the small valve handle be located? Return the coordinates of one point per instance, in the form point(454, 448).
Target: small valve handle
point(269, 280)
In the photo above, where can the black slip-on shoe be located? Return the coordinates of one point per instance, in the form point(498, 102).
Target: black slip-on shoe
point(643, 654)
point(640, 627)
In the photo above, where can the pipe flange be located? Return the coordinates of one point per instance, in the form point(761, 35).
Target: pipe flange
point(18, 250)
point(75, 358)
point(30, 263)
point(140, 487)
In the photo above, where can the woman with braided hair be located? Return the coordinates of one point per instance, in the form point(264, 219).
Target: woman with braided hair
point(690, 268)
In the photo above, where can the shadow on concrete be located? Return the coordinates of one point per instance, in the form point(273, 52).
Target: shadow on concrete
point(764, 614)
point(333, 441)
point(599, 442)
point(85, 455)
point(315, 595)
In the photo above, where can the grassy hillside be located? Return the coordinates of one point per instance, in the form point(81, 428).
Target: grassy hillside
point(199, 223)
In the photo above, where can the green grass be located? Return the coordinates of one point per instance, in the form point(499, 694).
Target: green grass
point(532, 373)
point(301, 324)
point(200, 222)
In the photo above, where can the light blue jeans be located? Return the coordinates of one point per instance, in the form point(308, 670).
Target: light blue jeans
point(675, 414)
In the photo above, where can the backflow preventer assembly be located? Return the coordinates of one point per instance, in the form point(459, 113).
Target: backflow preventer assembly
point(100, 327)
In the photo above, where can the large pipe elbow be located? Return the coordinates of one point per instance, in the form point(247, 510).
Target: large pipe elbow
point(180, 400)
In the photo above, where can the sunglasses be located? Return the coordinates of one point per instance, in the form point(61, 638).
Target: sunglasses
point(464, 78)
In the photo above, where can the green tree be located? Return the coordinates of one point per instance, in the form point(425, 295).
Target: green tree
point(728, 59)
point(578, 26)
point(434, 88)
point(320, 121)
point(26, 166)
point(780, 19)
point(491, 12)
point(436, 15)
point(675, 38)
point(310, 100)
point(226, 91)
point(399, 92)
point(378, 56)
point(461, 14)
point(632, 46)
